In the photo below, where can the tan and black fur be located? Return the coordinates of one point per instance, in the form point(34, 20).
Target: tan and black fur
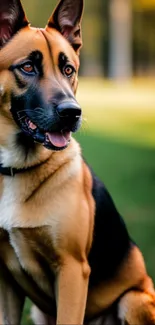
point(62, 242)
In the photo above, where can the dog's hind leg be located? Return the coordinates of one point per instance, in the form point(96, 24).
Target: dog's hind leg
point(11, 298)
point(137, 308)
point(137, 304)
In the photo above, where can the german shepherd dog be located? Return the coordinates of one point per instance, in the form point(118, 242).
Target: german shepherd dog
point(62, 242)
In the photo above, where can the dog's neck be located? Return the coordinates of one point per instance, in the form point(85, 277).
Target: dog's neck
point(20, 156)
point(14, 157)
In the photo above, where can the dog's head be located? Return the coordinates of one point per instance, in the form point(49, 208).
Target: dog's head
point(38, 76)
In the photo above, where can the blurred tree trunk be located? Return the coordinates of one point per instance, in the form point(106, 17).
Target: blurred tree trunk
point(93, 30)
point(120, 60)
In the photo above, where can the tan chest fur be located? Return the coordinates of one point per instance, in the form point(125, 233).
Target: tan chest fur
point(43, 215)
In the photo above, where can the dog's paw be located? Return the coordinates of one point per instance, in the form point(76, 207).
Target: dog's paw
point(137, 308)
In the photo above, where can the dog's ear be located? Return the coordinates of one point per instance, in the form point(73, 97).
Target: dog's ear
point(66, 18)
point(12, 18)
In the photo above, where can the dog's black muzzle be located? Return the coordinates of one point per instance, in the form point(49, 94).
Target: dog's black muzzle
point(48, 123)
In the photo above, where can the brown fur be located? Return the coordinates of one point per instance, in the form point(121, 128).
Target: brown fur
point(47, 213)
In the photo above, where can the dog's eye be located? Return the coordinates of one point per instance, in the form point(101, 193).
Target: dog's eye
point(28, 68)
point(69, 70)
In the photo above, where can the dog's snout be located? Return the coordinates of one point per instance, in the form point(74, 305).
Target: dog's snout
point(69, 110)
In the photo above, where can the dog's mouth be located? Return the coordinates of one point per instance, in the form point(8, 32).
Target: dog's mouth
point(49, 125)
point(54, 140)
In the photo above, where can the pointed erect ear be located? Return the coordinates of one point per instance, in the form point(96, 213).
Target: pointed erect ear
point(67, 19)
point(12, 18)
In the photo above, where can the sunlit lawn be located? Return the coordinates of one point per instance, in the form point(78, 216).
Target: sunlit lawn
point(118, 140)
point(122, 110)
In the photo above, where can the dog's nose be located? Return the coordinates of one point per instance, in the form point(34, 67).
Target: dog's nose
point(69, 109)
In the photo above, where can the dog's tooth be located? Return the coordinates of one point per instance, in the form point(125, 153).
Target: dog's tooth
point(47, 139)
point(32, 125)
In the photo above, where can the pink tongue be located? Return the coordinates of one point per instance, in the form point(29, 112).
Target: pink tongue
point(59, 139)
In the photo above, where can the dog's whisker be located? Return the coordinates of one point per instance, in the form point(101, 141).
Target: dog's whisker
point(21, 118)
point(85, 125)
point(22, 110)
point(85, 119)
point(25, 110)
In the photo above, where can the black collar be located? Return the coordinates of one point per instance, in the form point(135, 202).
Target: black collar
point(9, 171)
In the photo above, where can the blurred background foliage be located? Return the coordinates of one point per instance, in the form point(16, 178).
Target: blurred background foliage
point(115, 32)
point(117, 94)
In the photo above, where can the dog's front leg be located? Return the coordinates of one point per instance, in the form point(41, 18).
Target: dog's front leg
point(11, 299)
point(72, 287)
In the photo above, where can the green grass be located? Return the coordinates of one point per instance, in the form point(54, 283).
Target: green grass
point(118, 141)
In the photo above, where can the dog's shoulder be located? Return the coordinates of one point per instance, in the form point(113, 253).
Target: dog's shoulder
point(111, 241)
